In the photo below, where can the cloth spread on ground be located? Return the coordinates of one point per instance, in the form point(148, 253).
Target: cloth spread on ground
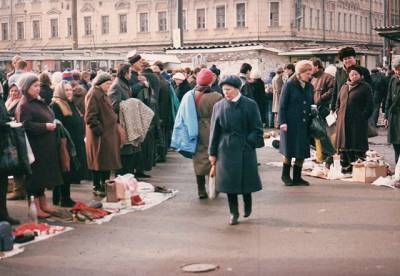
point(135, 118)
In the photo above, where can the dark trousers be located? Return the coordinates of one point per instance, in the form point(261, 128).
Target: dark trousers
point(99, 179)
point(269, 116)
point(348, 157)
point(3, 196)
point(33, 191)
point(128, 164)
point(62, 193)
point(234, 205)
point(396, 152)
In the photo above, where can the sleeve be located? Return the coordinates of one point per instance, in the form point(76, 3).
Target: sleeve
point(283, 104)
point(388, 103)
point(115, 97)
point(255, 137)
point(337, 105)
point(329, 84)
point(335, 92)
point(367, 76)
point(369, 106)
point(215, 132)
point(92, 116)
point(57, 112)
point(25, 117)
point(136, 88)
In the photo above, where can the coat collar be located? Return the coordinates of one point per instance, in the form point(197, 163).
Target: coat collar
point(296, 81)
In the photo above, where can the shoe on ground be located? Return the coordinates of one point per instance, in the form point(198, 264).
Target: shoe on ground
point(234, 219)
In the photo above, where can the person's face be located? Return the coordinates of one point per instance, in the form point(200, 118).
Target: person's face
point(106, 86)
point(214, 78)
point(315, 69)
point(230, 92)
point(14, 93)
point(34, 90)
point(68, 91)
point(128, 75)
point(288, 72)
point(178, 82)
point(306, 76)
point(86, 77)
point(349, 61)
point(137, 67)
point(397, 71)
point(354, 75)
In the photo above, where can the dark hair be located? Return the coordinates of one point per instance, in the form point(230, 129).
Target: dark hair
point(245, 68)
point(356, 68)
point(21, 64)
point(93, 74)
point(374, 71)
point(122, 69)
point(317, 63)
point(44, 79)
point(76, 75)
point(290, 66)
point(159, 64)
point(196, 70)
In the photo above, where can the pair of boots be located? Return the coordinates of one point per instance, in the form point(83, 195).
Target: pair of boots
point(4, 216)
point(18, 192)
point(43, 208)
point(201, 186)
point(234, 207)
point(62, 196)
point(297, 179)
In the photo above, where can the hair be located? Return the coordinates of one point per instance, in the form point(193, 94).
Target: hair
point(59, 90)
point(21, 65)
point(15, 59)
point(197, 70)
point(290, 66)
point(159, 64)
point(303, 66)
point(45, 79)
point(93, 74)
point(317, 63)
point(374, 71)
point(188, 71)
point(245, 68)
point(76, 75)
point(122, 70)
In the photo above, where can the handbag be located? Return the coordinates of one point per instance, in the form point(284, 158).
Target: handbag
point(9, 162)
point(65, 159)
point(212, 193)
point(317, 128)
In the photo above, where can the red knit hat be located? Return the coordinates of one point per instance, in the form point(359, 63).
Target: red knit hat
point(204, 77)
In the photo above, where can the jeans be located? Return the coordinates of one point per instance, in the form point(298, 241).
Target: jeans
point(269, 115)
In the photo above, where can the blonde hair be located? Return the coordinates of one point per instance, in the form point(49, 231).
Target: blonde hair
point(303, 66)
point(59, 90)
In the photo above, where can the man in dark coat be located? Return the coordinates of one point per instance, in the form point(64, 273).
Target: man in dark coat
point(348, 56)
point(379, 88)
point(246, 89)
point(236, 131)
point(353, 108)
point(392, 114)
point(215, 86)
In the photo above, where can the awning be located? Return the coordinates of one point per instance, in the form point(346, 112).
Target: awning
point(389, 32)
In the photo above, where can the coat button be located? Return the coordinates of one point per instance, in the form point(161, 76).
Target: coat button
point(304, 102)
point(304, 111)
point(304, 120)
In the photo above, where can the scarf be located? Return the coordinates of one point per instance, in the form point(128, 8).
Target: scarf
point(353, 84)
point(10, 104)
point(63, 105)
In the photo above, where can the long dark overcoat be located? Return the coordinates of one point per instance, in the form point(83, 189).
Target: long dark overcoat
point(393, 110)
point(102, 138)
point(46, 171)
point(353, 107)
point(236, 132)
point(295, 111)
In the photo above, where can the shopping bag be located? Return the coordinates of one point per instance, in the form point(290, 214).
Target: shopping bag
point(212, 193)
point(31, 156)
point(9, 162)
point(111, 191)
point(397, 171)
point(65, 159)
point(317, 128)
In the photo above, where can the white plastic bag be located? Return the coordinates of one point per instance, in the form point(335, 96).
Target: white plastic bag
point(129, 182)
point(397, 171)
point(31, 157)
point(212, 193)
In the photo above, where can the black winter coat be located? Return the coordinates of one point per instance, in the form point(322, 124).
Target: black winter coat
point(46, 93)
point(393, 110)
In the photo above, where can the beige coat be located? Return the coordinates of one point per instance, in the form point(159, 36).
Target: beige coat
point(277, 84)
point(201, 163)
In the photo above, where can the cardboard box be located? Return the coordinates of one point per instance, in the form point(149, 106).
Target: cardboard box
point(368, 174)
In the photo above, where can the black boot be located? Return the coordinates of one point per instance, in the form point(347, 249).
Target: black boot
point(3, 202)
point(201, 186)
point(234, 209)
point(247, 205)
point(56, 195)
point(66, 200)
point(286, 175)
point(297, 180)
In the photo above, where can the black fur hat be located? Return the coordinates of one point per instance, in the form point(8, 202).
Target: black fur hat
point(347, 52)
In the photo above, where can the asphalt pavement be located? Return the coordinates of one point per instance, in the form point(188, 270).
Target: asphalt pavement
point(329, 228)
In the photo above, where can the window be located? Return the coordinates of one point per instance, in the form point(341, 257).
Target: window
point(184, 27)
point(304, 17)
point(330, 21)
point(69, 27)
point(350, 23)
point(311, 18)
point(20, 30)
point(345, 22)
point(162, 21)
point(317, 20)
point(361, 24)
point(105, 24)
point(123, 23)
point(220, 13)
point(339, 19)
point(3, 4)
point(54, 27)
point(87, 21)
point(366, 24)
point(36, 29)
point(144, 22)
point(274, 14)
point(4, 31)
point(241, 15)
point(201, 18)
point(356, 21)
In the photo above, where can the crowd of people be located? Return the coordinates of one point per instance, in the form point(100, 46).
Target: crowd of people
point(89, 126)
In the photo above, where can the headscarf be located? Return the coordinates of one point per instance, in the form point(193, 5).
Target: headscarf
point(60, 98)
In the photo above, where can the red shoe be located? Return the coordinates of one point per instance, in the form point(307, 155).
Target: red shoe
point(137, 201)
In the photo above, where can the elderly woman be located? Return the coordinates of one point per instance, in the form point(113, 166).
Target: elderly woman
point(4, 216)
point(38, 121)
point(205, 99)
point(236, 132)
point(294, 121)
point(102, 133)
point(121, 91)
point(353, 107)
point(66, 111)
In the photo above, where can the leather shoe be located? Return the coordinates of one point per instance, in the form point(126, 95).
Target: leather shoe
point(234, 219)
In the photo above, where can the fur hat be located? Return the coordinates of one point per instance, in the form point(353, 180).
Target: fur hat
point(215, 70)
point(347, 52)
point(101, 78)
point(231, 80)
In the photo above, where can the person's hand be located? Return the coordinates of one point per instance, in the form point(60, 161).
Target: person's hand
point(386, 123)
point(283, 127)
point(213, 160)
point(51, 126)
